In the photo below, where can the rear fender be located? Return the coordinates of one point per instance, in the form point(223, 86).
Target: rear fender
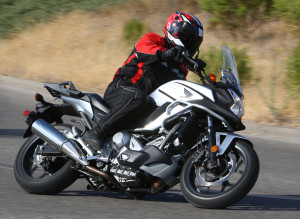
point(50, 114)
point(224, 140)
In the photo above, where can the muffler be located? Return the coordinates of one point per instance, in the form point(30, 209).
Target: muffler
point(56, 139)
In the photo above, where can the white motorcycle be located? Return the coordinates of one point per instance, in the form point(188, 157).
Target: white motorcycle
point(188, 139)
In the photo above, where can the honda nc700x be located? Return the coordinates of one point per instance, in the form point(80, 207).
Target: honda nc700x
point(188, 139)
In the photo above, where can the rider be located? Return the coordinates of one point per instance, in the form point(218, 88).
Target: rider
point(153, 61)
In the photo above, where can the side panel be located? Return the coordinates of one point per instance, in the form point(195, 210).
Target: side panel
point(164, 171)
point(79, 105)
point(158, 122)
point(180, 90)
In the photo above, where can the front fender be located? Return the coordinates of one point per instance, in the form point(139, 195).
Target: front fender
point(224, 140)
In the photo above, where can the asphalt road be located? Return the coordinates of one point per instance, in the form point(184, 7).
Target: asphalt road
point(275, 195)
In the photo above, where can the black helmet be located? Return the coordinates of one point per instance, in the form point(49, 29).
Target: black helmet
point(185, 30)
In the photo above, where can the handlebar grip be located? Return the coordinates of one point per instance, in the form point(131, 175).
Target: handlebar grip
point(190, 60)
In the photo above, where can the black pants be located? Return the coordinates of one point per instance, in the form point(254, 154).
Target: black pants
point(128, 105)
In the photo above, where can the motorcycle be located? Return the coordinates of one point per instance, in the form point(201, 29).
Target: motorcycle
point(188, 139)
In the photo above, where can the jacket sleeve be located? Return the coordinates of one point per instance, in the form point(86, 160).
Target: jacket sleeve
point(149, 48)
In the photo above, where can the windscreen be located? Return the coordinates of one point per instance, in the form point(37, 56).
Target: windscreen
point(230, 68)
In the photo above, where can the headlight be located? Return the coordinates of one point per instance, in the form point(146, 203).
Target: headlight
point(238, 107)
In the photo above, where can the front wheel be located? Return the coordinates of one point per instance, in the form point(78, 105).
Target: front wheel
point(237, 173)
point(40, 174)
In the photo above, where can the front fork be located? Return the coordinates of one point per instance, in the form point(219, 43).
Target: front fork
point(211, 142)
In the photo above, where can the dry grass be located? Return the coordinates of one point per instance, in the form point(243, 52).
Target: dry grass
point(87, 48)
point(79, 47)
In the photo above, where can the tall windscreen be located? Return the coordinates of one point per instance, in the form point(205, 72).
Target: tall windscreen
point(229, 69)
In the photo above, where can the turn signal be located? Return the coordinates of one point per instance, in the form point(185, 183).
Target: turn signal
point(213, 78)
point(38, 97)
point(214, 148)
point(26, 113)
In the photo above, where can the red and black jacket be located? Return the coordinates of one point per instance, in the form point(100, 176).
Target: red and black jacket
point(145, 69)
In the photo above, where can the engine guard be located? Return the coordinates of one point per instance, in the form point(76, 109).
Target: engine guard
point(224, 140)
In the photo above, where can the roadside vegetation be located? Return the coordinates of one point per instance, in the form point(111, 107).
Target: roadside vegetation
point(16, 15)
point(239, 16)
point(244, 14)
point(288, 10)
point(294, 71)
point(133, 30)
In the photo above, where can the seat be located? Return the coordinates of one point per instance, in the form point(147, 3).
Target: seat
point(98, 102)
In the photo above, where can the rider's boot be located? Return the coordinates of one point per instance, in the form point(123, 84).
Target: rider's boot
point(95, 138)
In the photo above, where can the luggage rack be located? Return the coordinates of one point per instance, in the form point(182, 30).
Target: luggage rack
point(58, 89)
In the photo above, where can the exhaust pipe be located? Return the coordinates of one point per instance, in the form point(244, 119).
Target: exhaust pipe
point(156, 187)
point(109, 178)
point(56, 139)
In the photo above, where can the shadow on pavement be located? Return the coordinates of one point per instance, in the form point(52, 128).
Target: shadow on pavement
point(250, 202)
point(12, 133)
point(268, 202)
point(161, 197)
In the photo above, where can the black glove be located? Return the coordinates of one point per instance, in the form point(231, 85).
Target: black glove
point(179, 58)
point(169, 54)
point(172, 53)
point(201, 64)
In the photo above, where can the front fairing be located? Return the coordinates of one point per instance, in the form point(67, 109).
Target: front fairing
point(223, 98)
point(181, 90)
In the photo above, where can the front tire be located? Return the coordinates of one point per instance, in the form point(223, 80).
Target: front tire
point(33, 178)
point(221, 192)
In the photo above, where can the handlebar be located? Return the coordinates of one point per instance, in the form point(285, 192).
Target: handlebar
point(195, 67)
point(190, 60)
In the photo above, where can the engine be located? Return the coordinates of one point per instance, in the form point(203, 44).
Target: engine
point(125, 175)
point(129, 153)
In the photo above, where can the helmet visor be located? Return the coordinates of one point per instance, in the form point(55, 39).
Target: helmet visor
point(190, 38)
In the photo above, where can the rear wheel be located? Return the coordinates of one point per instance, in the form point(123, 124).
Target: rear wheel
point(237, 173)
point(43, 174)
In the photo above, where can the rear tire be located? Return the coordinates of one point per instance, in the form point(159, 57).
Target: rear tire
point(221, 199)
point(54, 182)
